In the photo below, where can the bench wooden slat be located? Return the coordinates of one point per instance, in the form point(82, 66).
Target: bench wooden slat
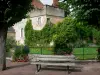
point(56, 64)
point(52, 56)
point(52, 59)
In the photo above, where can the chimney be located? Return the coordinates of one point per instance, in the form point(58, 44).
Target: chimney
point(37, 4)
point(55, 3)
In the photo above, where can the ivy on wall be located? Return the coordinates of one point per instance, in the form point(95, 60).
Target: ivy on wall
point(28, 33)
point(38, 38)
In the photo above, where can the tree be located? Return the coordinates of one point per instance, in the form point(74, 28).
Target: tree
point(70, 33)
point(11, 11)
point(84, 33)
point(65, 36)
point(96, 36)
point(86, 10)
point(65, 7)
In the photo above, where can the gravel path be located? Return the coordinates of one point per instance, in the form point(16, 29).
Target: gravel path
point(19, 68)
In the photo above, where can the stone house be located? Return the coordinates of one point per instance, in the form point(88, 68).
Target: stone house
point(39, 16)
point(11, 32)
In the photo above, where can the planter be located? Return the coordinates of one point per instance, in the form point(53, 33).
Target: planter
point(23, 59)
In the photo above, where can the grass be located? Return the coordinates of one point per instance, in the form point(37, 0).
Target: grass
point(85, 53)
point(89, 53)
point(46, 51)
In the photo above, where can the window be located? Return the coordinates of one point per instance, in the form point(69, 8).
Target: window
point(48, 21)
point(22, 32)
point(39, 21)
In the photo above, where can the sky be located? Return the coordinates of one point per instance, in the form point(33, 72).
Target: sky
point(48, 2)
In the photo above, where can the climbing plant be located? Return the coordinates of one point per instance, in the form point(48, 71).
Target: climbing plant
point(42, 37)
point(28, 33)
point(39, 38)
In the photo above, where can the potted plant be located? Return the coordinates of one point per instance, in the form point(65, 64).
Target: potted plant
point(25, 52)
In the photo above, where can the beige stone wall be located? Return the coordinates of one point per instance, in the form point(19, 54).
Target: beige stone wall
point(11, 34)
point(55, 19)
point(54, 11)
point(37, 12)
point(47, 10)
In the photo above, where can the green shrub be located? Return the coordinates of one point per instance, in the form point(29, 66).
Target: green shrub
point(25, 50)
point(17, 53)
point(63, 51)
point(96, 36)
point(62, 48)
point(64, 37)
point(20, 52)
point(10, 43)
point(98, 55)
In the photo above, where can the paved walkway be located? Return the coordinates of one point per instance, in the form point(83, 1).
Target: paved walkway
point(15, 68)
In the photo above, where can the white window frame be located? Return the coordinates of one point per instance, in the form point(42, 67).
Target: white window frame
point(39, 21)
point(22, 32)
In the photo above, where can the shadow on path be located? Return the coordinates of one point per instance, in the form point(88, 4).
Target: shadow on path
point(17, 66)
point(62, 69)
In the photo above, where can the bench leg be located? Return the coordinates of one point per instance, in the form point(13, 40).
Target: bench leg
point(68, 69)
point(38, 67)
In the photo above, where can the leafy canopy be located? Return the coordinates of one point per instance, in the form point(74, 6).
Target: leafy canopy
point(86, 10)
point(65, 33)
point(12, 11)
point(65, 7)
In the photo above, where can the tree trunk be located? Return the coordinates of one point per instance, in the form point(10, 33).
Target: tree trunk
point(3, 35)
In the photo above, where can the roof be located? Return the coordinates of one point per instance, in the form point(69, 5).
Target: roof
point(11, 29)
point(37, 4)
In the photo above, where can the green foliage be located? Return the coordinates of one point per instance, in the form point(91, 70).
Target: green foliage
point(12, 11)
point(17, 53)
point(10, 43)
point(42, 37)
point(65, 31)
point(25, 50)
point(84, 31)
point(98, 55)
point(65, 36)
point(47, 33)
point(28, 33)
point(69, 33)
point(86, 10)
point(96, 35)
point(45, 51)
point(65, 7)
point(20, 52)
point(38, 38)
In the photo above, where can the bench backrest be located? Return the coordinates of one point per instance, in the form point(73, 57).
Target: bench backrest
point(61, 58)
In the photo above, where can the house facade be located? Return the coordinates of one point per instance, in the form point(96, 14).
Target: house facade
point(39, 16)
point(11, 32)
